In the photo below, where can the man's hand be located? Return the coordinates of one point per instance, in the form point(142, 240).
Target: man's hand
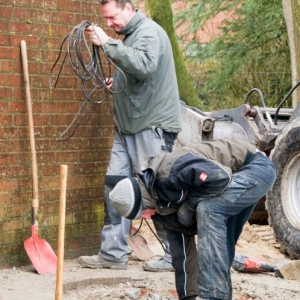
point(186, 216)
point(109, 82)
point(96, 35)
point(148, 213)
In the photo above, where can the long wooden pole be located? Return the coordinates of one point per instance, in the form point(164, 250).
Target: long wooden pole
point(61, 231)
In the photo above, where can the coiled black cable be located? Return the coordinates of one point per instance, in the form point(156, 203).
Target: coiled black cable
point(88, 66)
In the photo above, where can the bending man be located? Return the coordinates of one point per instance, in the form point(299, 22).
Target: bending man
point(192, 191)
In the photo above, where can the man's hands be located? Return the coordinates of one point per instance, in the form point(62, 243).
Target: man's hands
point(186, 216)
point(109, 82)
point(96, 35)
point(148, 213)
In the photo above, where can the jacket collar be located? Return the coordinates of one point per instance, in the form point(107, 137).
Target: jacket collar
point(133, 24)
point(148, 200)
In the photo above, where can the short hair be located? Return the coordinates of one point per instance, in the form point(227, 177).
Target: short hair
point(120, 3)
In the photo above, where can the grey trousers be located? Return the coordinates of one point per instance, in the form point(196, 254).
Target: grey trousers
point(128, 152)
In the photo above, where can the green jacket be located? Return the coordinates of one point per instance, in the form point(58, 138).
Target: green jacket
point(150, 98)
point(192, 172)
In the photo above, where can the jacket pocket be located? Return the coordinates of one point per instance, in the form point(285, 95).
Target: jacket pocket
point(132, 106)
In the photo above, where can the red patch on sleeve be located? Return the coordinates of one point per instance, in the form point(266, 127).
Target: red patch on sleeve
point(203, 176)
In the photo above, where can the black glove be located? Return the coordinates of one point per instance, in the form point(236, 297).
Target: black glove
point(186, 216)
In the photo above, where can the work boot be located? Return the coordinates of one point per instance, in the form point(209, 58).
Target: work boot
point(98, 262)
point(160, 265)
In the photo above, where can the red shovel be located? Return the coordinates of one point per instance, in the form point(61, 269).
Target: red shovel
point(39, 251)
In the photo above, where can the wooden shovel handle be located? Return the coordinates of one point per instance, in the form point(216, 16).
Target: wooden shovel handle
point(61, 230)
point(35, 200)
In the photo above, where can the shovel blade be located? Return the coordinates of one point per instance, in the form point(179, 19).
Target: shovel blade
point(41, 255)
point(140, 247)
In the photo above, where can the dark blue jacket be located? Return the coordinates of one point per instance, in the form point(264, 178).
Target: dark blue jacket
point(191, 173)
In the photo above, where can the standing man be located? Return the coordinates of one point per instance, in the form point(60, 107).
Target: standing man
point(192, 191)
point(147, 114)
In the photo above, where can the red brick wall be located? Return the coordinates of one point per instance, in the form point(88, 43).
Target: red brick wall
point(43, 25)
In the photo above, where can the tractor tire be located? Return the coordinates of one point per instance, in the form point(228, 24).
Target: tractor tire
point(283, 200)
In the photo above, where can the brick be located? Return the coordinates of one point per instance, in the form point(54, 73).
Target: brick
point(3, 212)
point(6, 238)
point(67, 157)
point(38, 81)
point(52, 56)
point(18, 13)
point(8, 159)
point(50, 43)
point(86, 216)
point(6, 12)
point(68, 107)
point(16, 27)
point(38, 16)
point(38, 29)
point(50, 132)
point(51, 170)
point(69, 6)
point(75, 143)
point(6, 66)
point(5, 52)
point(13, 224)
point(4, 40)
point(78, 181)
point(14, 80)
point(20, 172)
point(63, 18)
point(5, 120)
point(45, 157)
point(17, 211)
point(14, 53)
point(63, 30)
point(92, 18)
point(44, 94)
point(19, 2)
point(12, 146)
point(9, 133)
point(90, 168)
point(18, 106)
point(103, 131)
point(5, 199)
point(5, 93)
point(79, 205)
point(3, 79)
point(20, 119)
point(33, 55)
point(2, 25)
point(45, 5)
point(45, 107)
point(21, 132)
point(91, 9)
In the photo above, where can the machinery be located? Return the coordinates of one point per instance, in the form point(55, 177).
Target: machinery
point(275, 131)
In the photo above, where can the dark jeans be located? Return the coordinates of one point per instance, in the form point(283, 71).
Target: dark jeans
point(220, 221)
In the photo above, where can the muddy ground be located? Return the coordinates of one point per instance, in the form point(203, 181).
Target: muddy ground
point(134, 283)
point(256, 241)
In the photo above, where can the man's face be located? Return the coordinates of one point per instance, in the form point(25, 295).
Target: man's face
point(115, 16)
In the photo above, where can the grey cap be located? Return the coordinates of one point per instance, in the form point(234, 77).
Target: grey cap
point(126, 198)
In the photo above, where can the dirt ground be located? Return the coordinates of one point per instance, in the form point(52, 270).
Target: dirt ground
point(134, 283)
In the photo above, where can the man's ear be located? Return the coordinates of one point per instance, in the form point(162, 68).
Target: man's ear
point(128, 8)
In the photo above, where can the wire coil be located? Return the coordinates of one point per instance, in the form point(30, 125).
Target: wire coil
point(87, 64)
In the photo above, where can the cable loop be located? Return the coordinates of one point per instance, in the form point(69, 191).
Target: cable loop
point(88, 64)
